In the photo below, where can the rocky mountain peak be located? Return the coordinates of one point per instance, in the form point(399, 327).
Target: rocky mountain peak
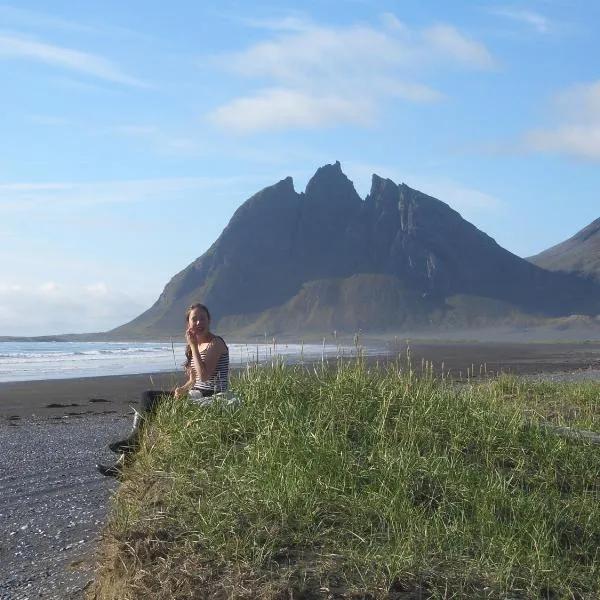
point(379, 185)
point(326, 258)
point(285, 185)
point(330, 184)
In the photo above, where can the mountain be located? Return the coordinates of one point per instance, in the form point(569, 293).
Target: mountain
point(579, 254)
point(325, 259)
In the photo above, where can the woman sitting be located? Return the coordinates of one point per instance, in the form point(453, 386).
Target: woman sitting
point(207, 366)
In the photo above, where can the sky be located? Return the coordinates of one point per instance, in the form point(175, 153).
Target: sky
point(130, 132)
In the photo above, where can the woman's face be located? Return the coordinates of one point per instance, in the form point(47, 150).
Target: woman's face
point(198, 320)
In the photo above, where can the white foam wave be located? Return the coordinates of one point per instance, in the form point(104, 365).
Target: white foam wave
point(59, 360)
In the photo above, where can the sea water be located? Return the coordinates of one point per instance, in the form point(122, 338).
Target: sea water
point(28, 361)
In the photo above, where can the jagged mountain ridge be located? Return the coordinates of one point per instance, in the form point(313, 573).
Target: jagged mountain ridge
point(578, 254)
point(325, 258)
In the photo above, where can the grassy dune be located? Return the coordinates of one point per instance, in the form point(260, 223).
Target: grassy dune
point(364, 482)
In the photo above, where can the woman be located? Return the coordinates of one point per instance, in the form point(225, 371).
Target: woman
point(209, 356)
point(207, 367)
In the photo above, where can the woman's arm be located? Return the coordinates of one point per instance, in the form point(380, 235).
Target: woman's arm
point(207, 367)
point(187, 386)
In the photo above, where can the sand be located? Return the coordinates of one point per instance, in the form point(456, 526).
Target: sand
point(57, 398)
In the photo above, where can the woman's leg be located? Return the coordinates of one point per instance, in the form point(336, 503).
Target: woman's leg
point(149, 404)
point(151, 399)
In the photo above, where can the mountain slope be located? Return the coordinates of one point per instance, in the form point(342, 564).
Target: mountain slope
point(579, 254)
point(326, 259)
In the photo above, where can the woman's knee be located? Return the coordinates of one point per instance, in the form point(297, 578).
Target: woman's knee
point(149, 398)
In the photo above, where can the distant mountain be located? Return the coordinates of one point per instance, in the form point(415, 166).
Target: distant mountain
point(579, 254)
point(326, 260)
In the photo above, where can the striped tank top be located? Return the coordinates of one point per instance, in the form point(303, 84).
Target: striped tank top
point(220, 380)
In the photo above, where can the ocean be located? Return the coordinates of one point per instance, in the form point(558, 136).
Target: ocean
point(29, 361)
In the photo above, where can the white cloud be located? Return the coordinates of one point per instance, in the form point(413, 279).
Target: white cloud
point(527, 17)
point(319, 51)
point(50, 120)
point(78, 85)
point(577, 128)
point(51, 308)
point(287, 23)
point(14, 47)
point(23, 196)
point(414, 92)
point(581, 141)
point(33, 187)
point(448, 42)
point(48, 288)
point(164, 141)
point(99, 288)
point(307, 75)
point(22, 18)
point(277, 108)
point(581, 102)
point(464, 199)
point(391, 21)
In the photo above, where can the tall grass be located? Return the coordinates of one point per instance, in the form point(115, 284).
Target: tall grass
point(362, 481)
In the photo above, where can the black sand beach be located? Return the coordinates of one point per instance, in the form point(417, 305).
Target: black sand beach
point(58, 398)
point(53, 502)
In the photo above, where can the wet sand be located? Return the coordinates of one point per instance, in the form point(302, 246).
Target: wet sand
point(456, 358)
point(59, 398)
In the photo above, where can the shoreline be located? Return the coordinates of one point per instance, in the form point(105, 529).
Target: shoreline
point(82, 396)
point(117, 394)
point(54, 431)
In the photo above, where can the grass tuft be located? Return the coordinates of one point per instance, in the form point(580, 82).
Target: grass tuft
point(362, 481)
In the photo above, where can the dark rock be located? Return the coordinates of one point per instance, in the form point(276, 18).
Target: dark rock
point(325, 259)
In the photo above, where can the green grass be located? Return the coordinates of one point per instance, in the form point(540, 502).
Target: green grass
point(362, 481)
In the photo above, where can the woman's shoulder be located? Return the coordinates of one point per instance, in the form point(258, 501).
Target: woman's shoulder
point(218, 342)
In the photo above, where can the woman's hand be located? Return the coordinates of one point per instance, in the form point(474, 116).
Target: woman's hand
point(182, 390)
point(190, 335)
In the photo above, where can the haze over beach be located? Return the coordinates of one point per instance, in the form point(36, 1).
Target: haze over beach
point(123, 122)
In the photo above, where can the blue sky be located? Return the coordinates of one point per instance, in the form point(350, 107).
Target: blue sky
point(131, 131)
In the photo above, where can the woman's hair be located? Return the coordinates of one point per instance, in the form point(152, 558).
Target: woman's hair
point(188, 357)
point(188, 351)
point(192, 307)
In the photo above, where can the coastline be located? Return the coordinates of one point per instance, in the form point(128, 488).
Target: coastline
point(116, 394)
point(82, 396)
point(53, 501)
